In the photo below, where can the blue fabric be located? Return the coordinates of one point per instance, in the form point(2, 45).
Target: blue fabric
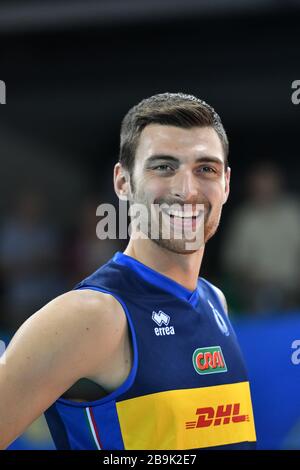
point(58, 429)
point(161, 362)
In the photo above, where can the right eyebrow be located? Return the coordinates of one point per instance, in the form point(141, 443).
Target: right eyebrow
point(154, 158)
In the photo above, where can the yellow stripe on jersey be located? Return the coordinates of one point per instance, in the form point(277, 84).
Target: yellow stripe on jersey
point(188, 419)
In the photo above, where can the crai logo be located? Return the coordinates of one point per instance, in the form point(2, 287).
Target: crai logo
point(209, 360)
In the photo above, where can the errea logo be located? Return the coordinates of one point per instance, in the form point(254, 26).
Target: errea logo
point(161, 318)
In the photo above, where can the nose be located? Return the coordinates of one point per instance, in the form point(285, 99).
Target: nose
point(184, 186)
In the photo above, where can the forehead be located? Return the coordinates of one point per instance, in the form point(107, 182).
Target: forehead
point(182, 143)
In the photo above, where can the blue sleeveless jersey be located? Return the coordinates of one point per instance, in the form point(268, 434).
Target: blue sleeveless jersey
point(187, 388)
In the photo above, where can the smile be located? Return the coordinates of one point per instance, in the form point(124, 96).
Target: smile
point(184, 220)
point(183, 215)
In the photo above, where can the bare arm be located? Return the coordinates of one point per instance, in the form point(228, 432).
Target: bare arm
point(69, 338)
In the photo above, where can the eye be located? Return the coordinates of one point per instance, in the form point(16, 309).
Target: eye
point(207, 169)
point(163, 168)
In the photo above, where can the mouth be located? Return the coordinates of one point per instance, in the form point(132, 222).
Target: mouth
point(185, 219)
point(183, 214)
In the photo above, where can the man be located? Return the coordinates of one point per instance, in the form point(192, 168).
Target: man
point(143, 326)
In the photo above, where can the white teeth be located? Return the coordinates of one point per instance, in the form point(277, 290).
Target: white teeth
point(183, 214)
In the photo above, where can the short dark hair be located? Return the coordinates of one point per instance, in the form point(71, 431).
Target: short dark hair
point(173, 109)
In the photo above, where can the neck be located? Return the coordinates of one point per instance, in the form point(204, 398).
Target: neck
point(182, 268)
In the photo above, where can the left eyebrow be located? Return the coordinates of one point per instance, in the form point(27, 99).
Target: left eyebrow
point(171, 158)
point(209, 159)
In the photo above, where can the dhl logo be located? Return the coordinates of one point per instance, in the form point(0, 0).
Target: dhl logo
point(223, 414)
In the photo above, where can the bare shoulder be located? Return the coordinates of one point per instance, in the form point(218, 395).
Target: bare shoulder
point(222, 298)
point(76, 311)
point(91, 318)
point(67, 331)
point(87, 306)
point(69, 338)
point(86, 300)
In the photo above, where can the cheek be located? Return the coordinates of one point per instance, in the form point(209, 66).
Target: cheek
point(218, 189)
point(215, 194)
point(153, 187)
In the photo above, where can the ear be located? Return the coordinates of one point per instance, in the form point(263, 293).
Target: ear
point(121, 182)
point(227, 184)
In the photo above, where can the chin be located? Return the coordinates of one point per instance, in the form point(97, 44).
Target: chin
point(177, 246)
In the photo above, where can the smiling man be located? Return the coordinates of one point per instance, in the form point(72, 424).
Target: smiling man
point(177, 166)
point(153, 339)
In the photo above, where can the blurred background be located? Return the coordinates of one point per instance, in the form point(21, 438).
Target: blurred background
point(72, 70)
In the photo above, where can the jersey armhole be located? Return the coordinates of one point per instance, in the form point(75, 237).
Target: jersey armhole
point(127, 384)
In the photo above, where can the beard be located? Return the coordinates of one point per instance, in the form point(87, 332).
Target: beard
point(160, 224)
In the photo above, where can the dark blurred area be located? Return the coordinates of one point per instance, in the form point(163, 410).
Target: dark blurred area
point(73, 69)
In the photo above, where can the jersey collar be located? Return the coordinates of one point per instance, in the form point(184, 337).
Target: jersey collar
point(158, 279)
